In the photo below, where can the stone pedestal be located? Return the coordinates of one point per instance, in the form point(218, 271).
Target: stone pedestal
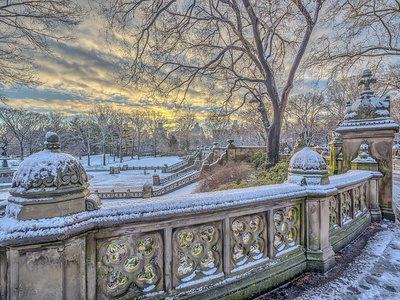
point(147, 190)
point(368, 121)
point(156, 179)
point(336, 148)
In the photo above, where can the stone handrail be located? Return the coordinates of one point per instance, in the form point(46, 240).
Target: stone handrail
point(177, 184)
point(175, 175)
point(176, 167)
point(218, 161)
point(118, 195)
point(126, 168)
point(225, 244)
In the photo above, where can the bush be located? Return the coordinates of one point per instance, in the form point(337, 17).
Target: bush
point(276, 175)
point(258, 160)
point(230, 173)
point(236, 176)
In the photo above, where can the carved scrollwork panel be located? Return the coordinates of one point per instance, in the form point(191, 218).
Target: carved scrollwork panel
point(197, 252)
point(334, 212)
point(130, 266)
point(286, 228)
point(357, 201)
point(364, 200)
point(248, 239)
point(347, 215)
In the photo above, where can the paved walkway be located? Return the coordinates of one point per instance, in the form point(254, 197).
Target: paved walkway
point(369, 268)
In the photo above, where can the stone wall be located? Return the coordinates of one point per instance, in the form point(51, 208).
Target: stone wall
point(231, 244)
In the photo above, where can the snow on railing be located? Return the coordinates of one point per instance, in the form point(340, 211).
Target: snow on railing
point(176, 175)
point(177, 184)
point(117, 195)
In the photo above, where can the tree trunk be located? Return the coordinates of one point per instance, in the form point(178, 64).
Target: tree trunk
point(133, 143)
point(155, 145)
point(272, 157)
point(88, 147)
point(120, 149)
point(104, 153)
point(21, 149)
point(138, 146)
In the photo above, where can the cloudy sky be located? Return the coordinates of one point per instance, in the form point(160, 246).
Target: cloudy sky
point(81, 73)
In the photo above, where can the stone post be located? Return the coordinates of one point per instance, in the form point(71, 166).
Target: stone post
point(147, 190)
point(368, 119)
point(320, 255)
point(308, 168)
point(156, 179)
point(197, 164)
point(365, 162)
point(336, 148)
point(206, 167)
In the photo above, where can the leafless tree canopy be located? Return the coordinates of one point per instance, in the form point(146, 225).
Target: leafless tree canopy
point(28, 25)
point(361, 32)
point(249, 50)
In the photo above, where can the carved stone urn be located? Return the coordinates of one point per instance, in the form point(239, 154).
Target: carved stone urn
point(48, 184)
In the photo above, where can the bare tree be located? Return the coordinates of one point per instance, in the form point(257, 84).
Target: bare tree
point(19, 122)
point(360, 32)
point(101, 116)
point(185, 118)
point(308, 112)
point(251, 50)
point(138, 120)
point(36, 131)
point(27, 26)
point(120, 121)
point(337, 92)
point(155, 125)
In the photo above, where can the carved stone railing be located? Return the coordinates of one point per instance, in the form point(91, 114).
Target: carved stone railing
point(126, 168)
point(117, 195)
point(176, 175)
point(177, 184)
point(351, 208)
point(230, 244)
point(176, 167)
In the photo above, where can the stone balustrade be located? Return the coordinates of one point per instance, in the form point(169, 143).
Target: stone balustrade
point(231, 244)
point(57, 241)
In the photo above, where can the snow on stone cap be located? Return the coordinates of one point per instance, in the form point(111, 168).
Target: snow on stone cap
point(48, 170)
point(368, 109)
point(307, 160)
point(307, 167)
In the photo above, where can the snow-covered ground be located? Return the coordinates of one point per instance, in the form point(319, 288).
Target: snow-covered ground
point(374, 274)
point(103, 181)
point(96, 162)
point(134, 180)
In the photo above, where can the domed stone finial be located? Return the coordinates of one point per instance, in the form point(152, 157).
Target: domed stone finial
point(307, 167)
point(49, 184)
point(52, 142)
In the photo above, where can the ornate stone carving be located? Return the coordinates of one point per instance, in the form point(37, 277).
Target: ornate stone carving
point(368, 110)
point(334, 212)
point(49, 169)
point(359, 199)
point(197, 252)
point(347, 214)
point(130, 266)
point(307, 167)
point(286, 229)
point(93, 202)
point(248, 239)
